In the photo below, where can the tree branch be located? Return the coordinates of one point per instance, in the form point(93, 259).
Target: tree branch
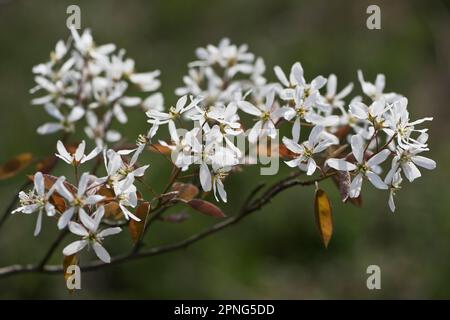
point(250, 205)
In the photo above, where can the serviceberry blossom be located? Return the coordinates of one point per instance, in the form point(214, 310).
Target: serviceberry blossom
point(317, 142)
point(65, 123)
point(222, 71)
point(267, 115)
point(332, 98)
point(362, 168)
point(77, 201)
point(399, 125)
point(296, 79)
point(95, 82)
point(38, 200)
point(91, 236)
point(393, 181)
point(78, 157)
point(126, 195)
point(408, 159)
point(224, 96)
point(375, 90)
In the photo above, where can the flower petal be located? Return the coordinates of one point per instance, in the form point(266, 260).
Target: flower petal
point(74, 247)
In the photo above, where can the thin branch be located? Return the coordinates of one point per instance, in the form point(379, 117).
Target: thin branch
point(250, 207)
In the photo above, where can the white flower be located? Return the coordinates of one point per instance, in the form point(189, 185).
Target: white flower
point(317, 142)
point(303, 110)
point(375, 90)
point(214, 181)
point(362, 168)
point(78, 157)
point(125, 193)
point(65, 123)
point(267, 115)
point(86, 46)
point(38, 200)
point(393, 180)
point(99, 130)
point(91, 236)
point(375, 113)
point(146, 81)
point(186, 149)
point(409, 159)
point(296, 78)
point(332, 98)
point(397, 123)
point(158, 117)
point(153, 102)
point(77, 201)
point(235, 59)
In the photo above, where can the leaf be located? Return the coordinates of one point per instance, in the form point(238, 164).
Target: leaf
point(275, 150)
point(46, 165)
point(342, 132)
point(186, 191)
point(15, 165)
point(343, 181)
point(324, 218)
point(58, 202)
point(206, 207)
point(286, 153)
point(50, 180)
point(113, 211)
point(159, 148)
point(137, 227)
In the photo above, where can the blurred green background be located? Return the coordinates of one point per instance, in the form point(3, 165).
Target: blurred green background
point(275, 253)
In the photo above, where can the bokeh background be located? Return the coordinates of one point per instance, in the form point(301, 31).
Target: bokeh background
point(276, 253)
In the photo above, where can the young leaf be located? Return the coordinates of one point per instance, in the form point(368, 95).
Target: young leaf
point(186, 191)
point(324, 218)
point(15, 165)
point(58, 202)
point(206, 207)
point(343, 181)
point(159, 148)
point(137, 227)
point(50, 180)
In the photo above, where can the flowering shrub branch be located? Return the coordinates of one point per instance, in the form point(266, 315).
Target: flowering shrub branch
point(227, 117)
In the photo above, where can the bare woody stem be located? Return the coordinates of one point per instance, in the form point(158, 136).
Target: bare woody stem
point(252, 204)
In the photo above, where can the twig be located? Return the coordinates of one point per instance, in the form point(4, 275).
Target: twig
point(246, 210)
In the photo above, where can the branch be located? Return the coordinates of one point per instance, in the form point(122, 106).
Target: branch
point(249, 207)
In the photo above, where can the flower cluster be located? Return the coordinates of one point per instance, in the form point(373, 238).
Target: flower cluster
point(226, 100)
point(83, 80)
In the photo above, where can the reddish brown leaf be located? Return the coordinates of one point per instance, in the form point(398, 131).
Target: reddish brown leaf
point(285, 153)
point(160, 149)
point(137, 227)
point(50, 180)
point(342, 132)
point(186, 191)
point(58, 202)
point(324, 217)
point(342, 180)
point(206, 207)
point(15, 165)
